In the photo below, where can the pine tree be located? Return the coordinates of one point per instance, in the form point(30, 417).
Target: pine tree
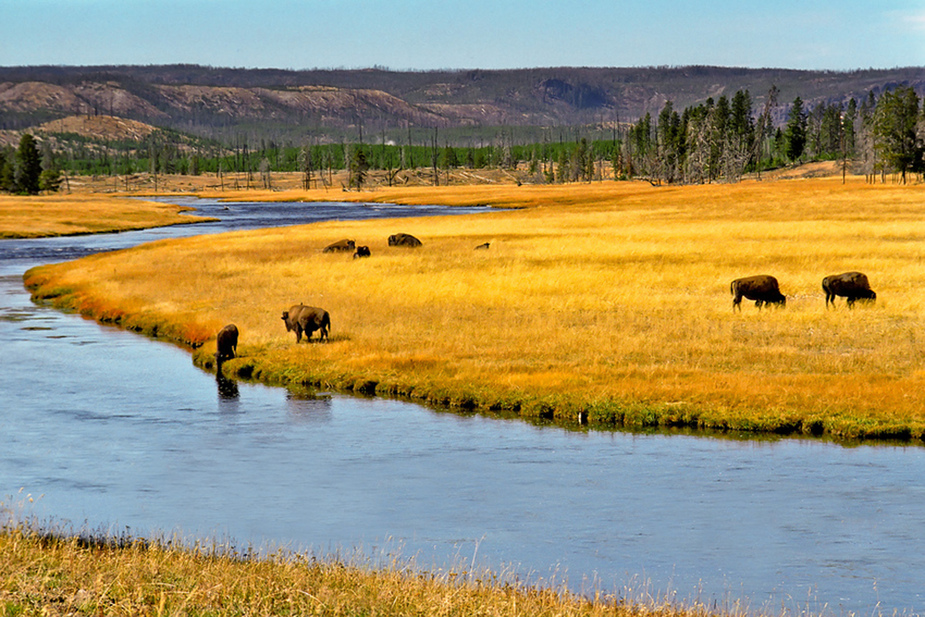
point(6, 170)
point(795, 134)
point(896, 141)
point(359, 165)
point(29, 166)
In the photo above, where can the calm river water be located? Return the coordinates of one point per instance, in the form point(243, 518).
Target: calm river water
point(107, 430)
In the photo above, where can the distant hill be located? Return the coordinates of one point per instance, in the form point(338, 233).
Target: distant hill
point(213, 102)
point(108, 128)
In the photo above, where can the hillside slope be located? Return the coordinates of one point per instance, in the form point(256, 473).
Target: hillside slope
point(205, 100)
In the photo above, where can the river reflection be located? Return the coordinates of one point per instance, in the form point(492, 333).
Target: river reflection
point(107, 429)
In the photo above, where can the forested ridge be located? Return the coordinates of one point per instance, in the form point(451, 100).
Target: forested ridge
point(665, 124)
point(207, 100)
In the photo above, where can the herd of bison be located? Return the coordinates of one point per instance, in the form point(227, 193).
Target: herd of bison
point(307, 320)
point(762, 288)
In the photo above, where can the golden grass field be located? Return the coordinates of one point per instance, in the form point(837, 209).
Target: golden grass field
point(608, 299)
point(41, 575)
point(66, 215)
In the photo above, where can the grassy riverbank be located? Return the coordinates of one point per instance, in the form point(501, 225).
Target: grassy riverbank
point(609, 300)
point(68, 215)
point(47, 575)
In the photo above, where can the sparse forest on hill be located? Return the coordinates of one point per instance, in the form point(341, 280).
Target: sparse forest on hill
point(669, 125)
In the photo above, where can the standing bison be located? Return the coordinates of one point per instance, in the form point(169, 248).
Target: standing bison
point(850, 285)
point(762, 288)
point(404, 240)
point(300, 318)
point(226, 343)
point(341, 246)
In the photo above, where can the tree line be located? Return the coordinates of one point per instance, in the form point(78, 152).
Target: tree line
point(717, 140)
point(26, 171)
point(724, 139)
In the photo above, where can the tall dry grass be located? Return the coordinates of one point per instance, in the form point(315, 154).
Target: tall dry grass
point(42, 574)
point(65, 215)
point(610, 299)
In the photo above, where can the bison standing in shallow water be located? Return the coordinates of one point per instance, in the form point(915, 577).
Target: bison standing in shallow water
point(762, 288)
point(226, 343)
point(850, 285)
point(300, 318)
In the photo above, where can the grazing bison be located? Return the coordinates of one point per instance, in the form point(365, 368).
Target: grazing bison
point(850, 285)
point(763, 289)
point(341, 246)
point(226, 343)
point(483, 246)
point(362, 251)
point(300, 318)
point(404, 240)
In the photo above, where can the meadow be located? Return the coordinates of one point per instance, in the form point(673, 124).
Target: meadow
point(67, 215)
point(606, 303)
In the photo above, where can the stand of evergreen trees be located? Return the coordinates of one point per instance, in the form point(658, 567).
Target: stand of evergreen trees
point(23, 171)
point(724, 139)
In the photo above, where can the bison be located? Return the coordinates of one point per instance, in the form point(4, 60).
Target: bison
point(341, 246)
point(362, 251)
point(226, 343)
point(300, 318)
point(404, 240)
point(762, 288)
point(483, 246)
point(850, 285)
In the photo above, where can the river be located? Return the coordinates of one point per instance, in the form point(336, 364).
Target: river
point(106, 430)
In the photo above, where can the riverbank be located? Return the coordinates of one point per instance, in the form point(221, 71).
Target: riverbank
point(605, 303)
point(50, 575)
point(76, 214)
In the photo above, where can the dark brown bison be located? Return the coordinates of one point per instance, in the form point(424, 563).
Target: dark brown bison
point(300, 318)
point(362, 251)
point(850, 285)
point(341, 246)
point(404, 240)
point(226, 343)
point(762, 288)
point(483, 246)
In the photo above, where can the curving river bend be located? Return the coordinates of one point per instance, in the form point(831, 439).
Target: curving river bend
point(107, 430)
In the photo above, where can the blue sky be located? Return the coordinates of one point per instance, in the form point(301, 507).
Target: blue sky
point(424, 35)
